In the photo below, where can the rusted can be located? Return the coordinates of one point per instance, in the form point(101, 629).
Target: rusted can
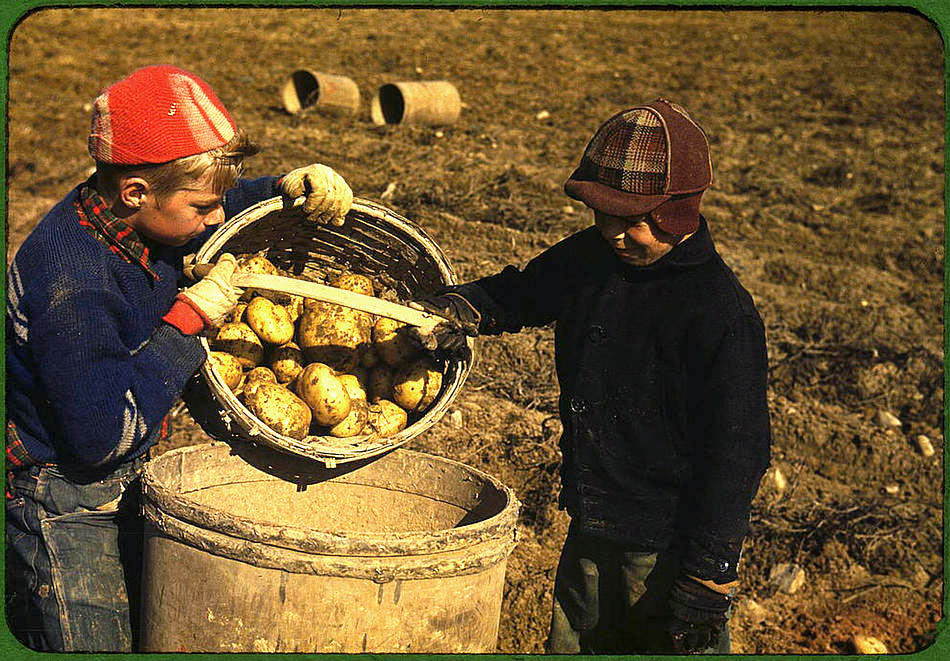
point(432, 102)
point(251, 550)
point(322, 91)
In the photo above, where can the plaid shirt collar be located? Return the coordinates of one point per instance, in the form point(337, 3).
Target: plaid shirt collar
point(105, 226)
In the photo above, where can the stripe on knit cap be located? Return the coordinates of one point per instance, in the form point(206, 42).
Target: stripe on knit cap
point(102, 128)
point(208, 125)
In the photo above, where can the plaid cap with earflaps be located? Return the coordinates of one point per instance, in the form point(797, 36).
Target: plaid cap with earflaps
point(648, 159)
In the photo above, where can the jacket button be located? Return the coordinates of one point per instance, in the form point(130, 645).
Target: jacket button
point(578, 405)
point(597, 334)
point(722, 566)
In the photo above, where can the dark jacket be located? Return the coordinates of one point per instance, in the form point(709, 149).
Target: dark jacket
point(663, 375)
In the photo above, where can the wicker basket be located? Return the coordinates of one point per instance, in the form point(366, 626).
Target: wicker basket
point(374, 241)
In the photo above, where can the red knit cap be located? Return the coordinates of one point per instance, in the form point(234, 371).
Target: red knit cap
point(157, 114)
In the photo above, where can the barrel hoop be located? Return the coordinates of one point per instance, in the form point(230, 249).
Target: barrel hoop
point(471, 560)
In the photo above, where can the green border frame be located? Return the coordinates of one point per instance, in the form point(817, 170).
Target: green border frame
point(936, 11)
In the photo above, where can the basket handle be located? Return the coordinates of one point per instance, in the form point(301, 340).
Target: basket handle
point(426, 321)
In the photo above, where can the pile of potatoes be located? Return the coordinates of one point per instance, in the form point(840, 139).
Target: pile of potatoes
point(304, 367)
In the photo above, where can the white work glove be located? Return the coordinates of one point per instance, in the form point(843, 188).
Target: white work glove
point(328, 196)
point(214, 294)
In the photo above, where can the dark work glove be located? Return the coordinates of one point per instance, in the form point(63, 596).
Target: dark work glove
point(698, 615)
point(461, 321)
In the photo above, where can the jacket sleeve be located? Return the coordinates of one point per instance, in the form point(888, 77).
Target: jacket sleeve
point(107, 398)
point(247, 192)
point(533, 296)
point(729, 422)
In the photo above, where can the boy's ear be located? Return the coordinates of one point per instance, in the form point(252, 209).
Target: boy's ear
point(134, 191)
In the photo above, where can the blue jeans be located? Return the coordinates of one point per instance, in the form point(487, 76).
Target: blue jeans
point(73, 557)
point(610, 598)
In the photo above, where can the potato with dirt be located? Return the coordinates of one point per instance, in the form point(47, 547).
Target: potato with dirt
point(417, 384)
point(286, 361)
point(354, 422)
point(354, 386)
point(279, 409)
point(355, 282)
point(239, 340)
point(333, 335)
point(270, 321)
point(254, 378)
point(320, 387)
point(228, 367)
point(391, 343)
point(386, 418)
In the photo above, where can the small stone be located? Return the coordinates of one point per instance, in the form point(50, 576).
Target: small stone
point(779, 478)
point(787, 577)
point(754, 610)
point(568, 209)
point(864, 303)
point(892, 489)
point(868, 645)
point(544, 114)
point(925, 446)
point(419, 70)
point(454, 418)
point(439, 134)
point(388, 193)
point(887, 419)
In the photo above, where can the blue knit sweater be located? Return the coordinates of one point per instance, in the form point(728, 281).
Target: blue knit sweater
point(92, 369)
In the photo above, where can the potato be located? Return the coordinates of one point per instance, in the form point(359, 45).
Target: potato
point(417, 384)
point(333, 335)
point(386, 418)
point(323, 391)
point(354, 282)
point(280, 409)
point(256, 377)
point(354, 422)
point(294, 307)
point(379, 383)
point(237, 339)
point(391, 342)
point(270, 321)
point(256, 264)
point(286, 361)
point(237, 314)
point(354, 387)
point(864, 644)
point(228, 367)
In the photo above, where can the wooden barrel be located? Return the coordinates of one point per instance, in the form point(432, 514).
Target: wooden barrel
point(251, 550)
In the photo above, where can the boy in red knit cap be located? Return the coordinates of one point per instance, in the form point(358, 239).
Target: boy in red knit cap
point(101, 342)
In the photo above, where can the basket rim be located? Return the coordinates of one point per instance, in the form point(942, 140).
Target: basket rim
point(311, 447)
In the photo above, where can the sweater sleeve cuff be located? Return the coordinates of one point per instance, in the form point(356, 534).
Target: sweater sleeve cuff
point(186, 316)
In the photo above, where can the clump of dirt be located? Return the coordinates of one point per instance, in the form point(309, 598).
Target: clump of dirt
point(827, 202)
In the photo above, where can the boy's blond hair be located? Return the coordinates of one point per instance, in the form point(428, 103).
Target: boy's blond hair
point(225, 164)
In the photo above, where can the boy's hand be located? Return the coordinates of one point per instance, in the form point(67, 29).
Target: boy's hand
point(698, 614)
point(328, 196)
point(214, 296)
point(462, 320)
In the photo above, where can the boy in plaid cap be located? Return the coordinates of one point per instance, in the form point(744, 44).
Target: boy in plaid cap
point(661, 360)
point(100, 343)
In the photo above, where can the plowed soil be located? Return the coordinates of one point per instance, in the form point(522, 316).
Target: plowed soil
point(826, 129)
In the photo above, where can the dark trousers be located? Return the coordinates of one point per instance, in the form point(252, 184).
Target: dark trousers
point(73, 556)
point(610, 598)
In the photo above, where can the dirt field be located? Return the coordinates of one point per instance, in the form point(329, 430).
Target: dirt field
point(826, 129)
